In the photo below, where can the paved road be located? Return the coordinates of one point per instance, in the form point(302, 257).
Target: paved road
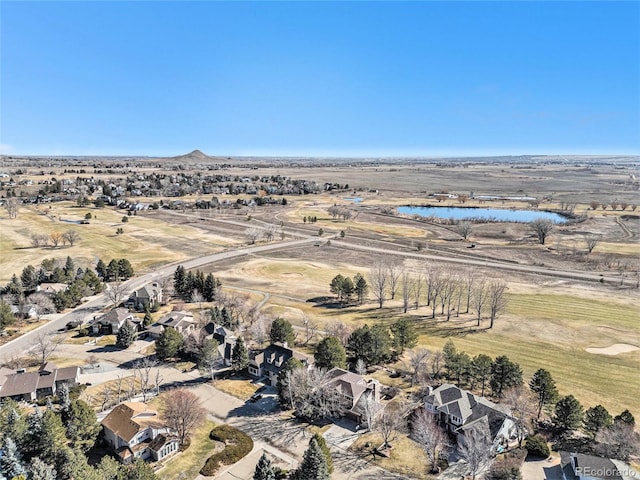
point(22, 344)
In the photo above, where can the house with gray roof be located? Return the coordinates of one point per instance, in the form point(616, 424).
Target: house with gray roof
point(578, 466)
point(270, 361)
point(112, 321)
point(180, 321)
point(460, 411)
point(145, 297)
point(357, 392)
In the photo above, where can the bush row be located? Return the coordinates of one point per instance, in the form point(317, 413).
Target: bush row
point(237, 446)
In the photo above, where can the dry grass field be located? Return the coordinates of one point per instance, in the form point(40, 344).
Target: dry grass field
point(549, 325)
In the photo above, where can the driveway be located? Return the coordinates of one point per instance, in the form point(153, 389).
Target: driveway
point(545, 469)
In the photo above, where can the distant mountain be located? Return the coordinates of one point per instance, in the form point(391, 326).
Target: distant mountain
point(195, 156)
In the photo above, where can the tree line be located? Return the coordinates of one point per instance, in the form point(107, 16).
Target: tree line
point(195, 286)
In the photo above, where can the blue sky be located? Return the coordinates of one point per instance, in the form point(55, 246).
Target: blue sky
point(322, 78)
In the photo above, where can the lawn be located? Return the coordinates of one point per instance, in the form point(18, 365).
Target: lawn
point(238, 387)
point(406, 457)
point(188, 463)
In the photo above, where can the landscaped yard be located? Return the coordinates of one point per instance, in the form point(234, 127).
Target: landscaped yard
point(188, 463)
point(406, 457)
point(238, 387)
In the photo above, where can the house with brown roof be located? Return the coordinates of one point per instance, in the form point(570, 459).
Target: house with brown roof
point(359, 393)
point(270, 361)
point(29, 386)
point(134, 430)
point(460, 411)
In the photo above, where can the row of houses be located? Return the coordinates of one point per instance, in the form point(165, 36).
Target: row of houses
point(30, 386)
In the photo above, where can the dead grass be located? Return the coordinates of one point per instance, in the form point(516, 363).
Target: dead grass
point(406, 457)
point(187, 464)
point(239, 388)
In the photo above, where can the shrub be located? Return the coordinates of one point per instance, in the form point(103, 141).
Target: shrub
point(537, 446)
point(237, 446)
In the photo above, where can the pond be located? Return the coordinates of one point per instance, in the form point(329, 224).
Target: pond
point(489, 214)
point(354, 199)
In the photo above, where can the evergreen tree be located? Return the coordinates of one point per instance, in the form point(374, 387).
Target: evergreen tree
point(504, 375)
point(210, 287)
point(29, 278)
point(543, 385)
point(372, 345)
point(450, 356)
point(481, 369)
point(14, 287)
point(322, 443)
point(11, 460)
point(330, 353)
point(148, 319)
point(69, 269)
point(125, 270)
point(208, 356)
point(51, 437)
point(314, 464)
point(82, 425)
point(361, 287)
point(216, 317)
point(264, 470)
point(596, 418)
point(6, 315)
point(113, 271)
point(169, 344)
point(225, 318)
point(282, 332)
point(101, 269)
point(404, 335)
point(568, 414)
point(239, 356)
point(92, 281)
point(41, 471)
point(625, 417)
point(13, 422)
point(126, 335)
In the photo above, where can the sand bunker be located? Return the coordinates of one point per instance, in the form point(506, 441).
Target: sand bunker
point(614, 349)
point(289, 274)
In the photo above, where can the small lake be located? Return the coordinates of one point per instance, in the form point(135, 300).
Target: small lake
point(353, 199)
point(493, 214)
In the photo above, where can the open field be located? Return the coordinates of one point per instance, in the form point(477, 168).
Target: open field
point(147, 241)
point(545, 326)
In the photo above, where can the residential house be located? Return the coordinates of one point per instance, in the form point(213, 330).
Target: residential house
point(145, 297)
point(24, 311)
point(270, 361)
point(29, 386)
point(578, 466)
point(112, 321)
point(459, 411)
point(357, 392)
point(134, 430)
point(216, 332)
point(51, 288)
point(182, 322)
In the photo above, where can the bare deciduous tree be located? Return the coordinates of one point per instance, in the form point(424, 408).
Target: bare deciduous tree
point(417, 363)
point(115, 292)
point(45, 345)
point(313, 394)
point(479, 298)
point(378, 281)
point(39, 240)
point(496, 299)
point(56, 238)
point(259, 329)
point(253, 234)
point(106, 396)
point(417, 290)
point(143, 367)
point(541, 228)
point(390, 422)
point(523, 409)
point(361, 367)
point(182, 411)
point(370, 409)
point(407, 290)
point(12, 205)
point(340, 330)
point(464, 229)
point(394, 271)
point(591, 242)
point(42, 304)
point(476, 450)
point(426, 431)
point(70, 237)
point(270, 232)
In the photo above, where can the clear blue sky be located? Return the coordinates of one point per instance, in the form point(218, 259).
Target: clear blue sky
point(296, 78)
